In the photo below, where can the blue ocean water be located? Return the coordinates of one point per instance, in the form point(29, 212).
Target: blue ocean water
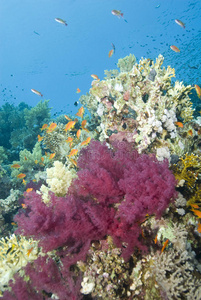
point(39, 53)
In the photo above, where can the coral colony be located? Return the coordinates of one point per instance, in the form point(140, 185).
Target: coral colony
point(107, 206)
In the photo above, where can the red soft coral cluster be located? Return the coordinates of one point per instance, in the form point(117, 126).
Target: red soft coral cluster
point(113, 193)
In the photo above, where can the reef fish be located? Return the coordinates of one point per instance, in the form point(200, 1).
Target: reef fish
point(86, 141)
point(78, 133)
point(51, 127)
point(117, 13)
point(164, 245)
point(21, 175)
point(174, 48)
point(73, 152)
point(197, 212)
point(52, 155)
point(15, 166)
point(180, 23)
point(111, 52)
point(61, 21)
point(78, 90)
point(80, 112)
point(36, 92)
point(29, 190)
point(179, 124)
point(40, 138)
point(198, 90)
point(69, 125)
point(94, 76)
point(43, 127)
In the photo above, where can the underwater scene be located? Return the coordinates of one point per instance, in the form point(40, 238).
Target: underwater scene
point(100, 149)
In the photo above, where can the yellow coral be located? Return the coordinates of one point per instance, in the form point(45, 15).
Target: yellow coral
point(188, 169)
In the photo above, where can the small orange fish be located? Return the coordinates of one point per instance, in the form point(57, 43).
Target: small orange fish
point(190, 132)
point(69, 139)
point(174, 48)
point(74, 162)
point(80, 112)
point(78, 133)
point(78, 90)
point(44, 127)
point(40, 138)
point(95, 77)
point(13, 223)
point(111, 52)
point(51, 127)
point(36, 92)
point(34, 180)
point(21, 176)
point(29, 190)
point(52, 155)
point(69, 125)
point(198, 229)
point(29, 251)
point(83, 124)
point(73, 152)
point(86, 141)
point(67, 118)
point(179, 124)
point(194, 205)
point(24, 205)
point(15, 166)
point(197, 213)
point(155, 240)
point(24, 182)
point(198, 90)
point(42, 159)
point(164, 245)
point(41, 164)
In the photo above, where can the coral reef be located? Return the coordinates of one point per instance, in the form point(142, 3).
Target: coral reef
point(113, 218)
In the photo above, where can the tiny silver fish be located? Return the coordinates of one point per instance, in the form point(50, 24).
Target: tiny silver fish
point(61, 21)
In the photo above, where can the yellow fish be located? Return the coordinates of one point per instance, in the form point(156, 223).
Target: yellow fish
point(43, 127)
point(29, 190)
point(51, 127)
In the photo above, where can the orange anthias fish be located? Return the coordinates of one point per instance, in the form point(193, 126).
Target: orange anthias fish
point(86, 142)
point(78, 90)
point(73, 152)
point(69, 125)
point(21, 176)
point(52, 155)
point(83, 124)
point(95, 77)
point(78, 133)
point(74, 162)
point(110, 53)
point(198, 90)
point(29, 190)
point(197, 213)
point(190, 132)
point(51, 127)
point(15, 166)
point(199, 227)
point(29, 251)
point(194, 205)
point(43, 127)
point(164, 245)
point(80, 112)
point(180, 23)
point(24, 205)
point(40, 138)
point(179, 124)
point(174, 48)
point(69, 139)
point(36, 92)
